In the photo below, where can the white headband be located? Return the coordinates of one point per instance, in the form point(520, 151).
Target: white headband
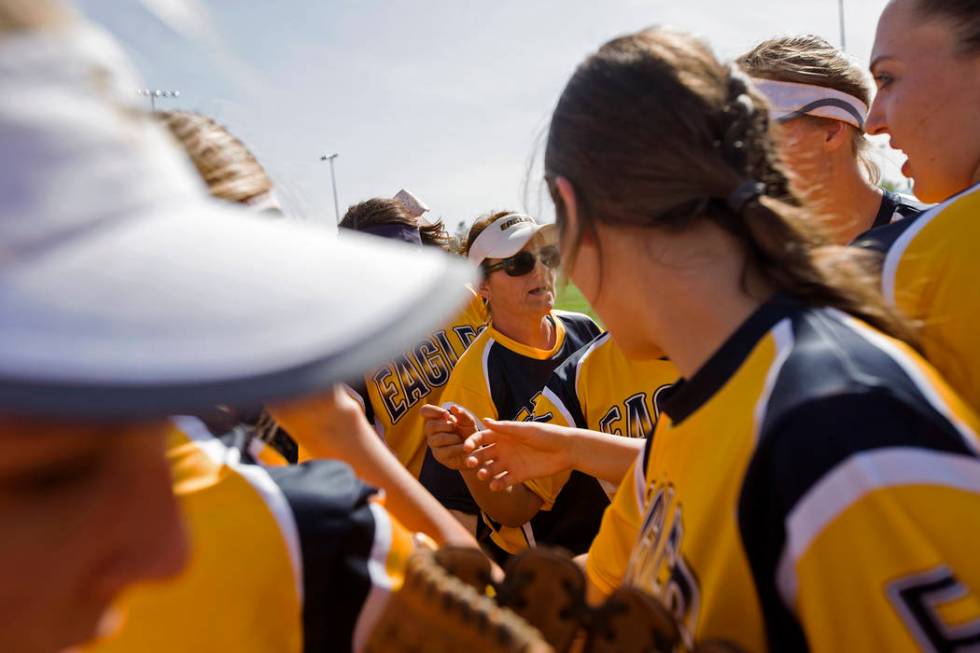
point(790, 100)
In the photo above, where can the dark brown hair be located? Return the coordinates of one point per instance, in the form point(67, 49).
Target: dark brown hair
point(809, 59)
point(963, 15)
point(382, 210)
point(653, 131)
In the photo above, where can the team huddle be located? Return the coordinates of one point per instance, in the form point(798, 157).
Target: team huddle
point(222, 429)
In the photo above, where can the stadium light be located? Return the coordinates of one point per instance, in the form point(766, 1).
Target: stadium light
point(840, 14)
point(153, 94)
point(333, 183)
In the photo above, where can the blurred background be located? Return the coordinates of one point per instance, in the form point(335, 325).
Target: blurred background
point(448, 99)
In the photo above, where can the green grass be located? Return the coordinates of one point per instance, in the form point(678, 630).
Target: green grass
point(571, 299)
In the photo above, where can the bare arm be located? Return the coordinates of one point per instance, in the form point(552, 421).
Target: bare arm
point(509, 453)
point(332, 425)
point(445, 431)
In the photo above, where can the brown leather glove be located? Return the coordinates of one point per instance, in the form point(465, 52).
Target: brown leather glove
point(434, 612)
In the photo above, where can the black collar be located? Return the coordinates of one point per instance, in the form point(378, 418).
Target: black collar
point(886, 211)
point(688, 395)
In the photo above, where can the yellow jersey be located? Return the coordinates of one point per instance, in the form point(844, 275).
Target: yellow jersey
point(284, 559)
point(600, 389)
point(498, 377)
point(396, 392)
point(929, 273)
point(814, 486)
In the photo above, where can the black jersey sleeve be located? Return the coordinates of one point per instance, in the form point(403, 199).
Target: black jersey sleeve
point(337, 529)
point(561, 390)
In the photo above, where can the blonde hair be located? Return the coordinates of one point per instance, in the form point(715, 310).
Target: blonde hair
point(809, 59)
point(230, 170)
point(19, 15)
point(233, 174)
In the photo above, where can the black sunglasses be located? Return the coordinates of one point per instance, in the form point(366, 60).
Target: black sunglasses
point(523, 262)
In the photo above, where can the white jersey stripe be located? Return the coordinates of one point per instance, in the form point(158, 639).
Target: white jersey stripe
point(853, 479)
point(260, 480)
point(640, 480)
point(598, 342)
point(560, 405)
point(895, 253)
point(381, 582)
point(782, 333)
point(486, 365)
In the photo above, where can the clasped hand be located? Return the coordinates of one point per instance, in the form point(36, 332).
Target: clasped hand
point(503, 453)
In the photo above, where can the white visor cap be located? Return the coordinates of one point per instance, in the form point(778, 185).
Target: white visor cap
point(788, 100)
point(507, 235)
point(127, 292)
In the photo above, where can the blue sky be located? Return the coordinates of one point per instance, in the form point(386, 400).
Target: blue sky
point(448, 99)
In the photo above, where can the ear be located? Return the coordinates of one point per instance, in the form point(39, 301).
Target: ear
point(836, 135)
point(484, 290)
point(571, 225)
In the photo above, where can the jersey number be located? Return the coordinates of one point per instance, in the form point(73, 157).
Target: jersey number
point(918, 598)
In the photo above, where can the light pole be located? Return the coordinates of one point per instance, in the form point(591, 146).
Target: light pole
point(153, 94)
point(840, 13)
point(333, 183)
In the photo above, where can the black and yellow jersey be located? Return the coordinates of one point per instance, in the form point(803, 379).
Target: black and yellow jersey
point(396, 392)
point(894, 207)
point(929, 273)
point(600, 389)
point(814, 486)
point(498, 377)
point(291, 558)
point(256, 435)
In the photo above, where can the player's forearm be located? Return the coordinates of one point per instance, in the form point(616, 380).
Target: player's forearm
point(351, 439)
point(512, 507)
point(414, 507)
point(607, 457)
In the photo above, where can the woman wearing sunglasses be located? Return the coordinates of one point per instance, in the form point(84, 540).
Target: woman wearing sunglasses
point(803, 481)
point(499, 376)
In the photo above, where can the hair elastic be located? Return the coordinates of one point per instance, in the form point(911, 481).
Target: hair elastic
point(743, 194)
